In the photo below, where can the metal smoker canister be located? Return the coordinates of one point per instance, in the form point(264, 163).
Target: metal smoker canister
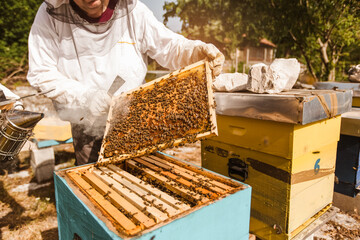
point(15, 128)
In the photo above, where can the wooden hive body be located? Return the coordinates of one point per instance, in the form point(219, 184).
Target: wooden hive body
point(348, 155)
point(154, 195)
point(290, 168)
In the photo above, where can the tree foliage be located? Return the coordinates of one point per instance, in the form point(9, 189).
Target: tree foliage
point(208, 20)
point(16, 17)
point(323, 34)
point(319, 30)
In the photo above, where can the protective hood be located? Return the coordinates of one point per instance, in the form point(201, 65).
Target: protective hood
point(56, 3)
point(62, 11)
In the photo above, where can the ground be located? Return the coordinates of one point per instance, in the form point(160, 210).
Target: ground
point(27, 208)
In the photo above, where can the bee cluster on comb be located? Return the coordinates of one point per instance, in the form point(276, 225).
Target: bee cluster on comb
point(168, 112)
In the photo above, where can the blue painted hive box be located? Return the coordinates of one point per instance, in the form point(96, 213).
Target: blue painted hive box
point(150, 197)
point(348, 155)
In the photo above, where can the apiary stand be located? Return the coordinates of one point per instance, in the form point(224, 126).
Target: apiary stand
point(225, 218)
point(284, 146)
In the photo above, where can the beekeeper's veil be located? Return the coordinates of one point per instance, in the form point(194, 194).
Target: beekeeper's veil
point(62, 11)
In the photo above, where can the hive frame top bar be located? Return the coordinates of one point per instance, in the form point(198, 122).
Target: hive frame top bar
point(202, 65)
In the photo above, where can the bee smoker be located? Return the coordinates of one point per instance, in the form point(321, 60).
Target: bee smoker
point(15, 129)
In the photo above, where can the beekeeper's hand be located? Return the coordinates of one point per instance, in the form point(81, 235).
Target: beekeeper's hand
point(212, 54)
point(98, 102)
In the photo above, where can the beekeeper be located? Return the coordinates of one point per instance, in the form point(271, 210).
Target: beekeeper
point(89, 50)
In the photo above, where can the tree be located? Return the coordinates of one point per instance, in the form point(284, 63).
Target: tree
point(16, 17)
point(321, 33)
point(197, 19)
point(320, 30)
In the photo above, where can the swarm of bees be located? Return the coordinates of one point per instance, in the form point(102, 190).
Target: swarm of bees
point(176, 107)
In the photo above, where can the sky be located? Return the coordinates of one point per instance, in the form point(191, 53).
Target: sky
point(157, 7)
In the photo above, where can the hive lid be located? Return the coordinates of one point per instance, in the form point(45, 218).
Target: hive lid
point(339, 85)
point(166, 112)
point(296, 106)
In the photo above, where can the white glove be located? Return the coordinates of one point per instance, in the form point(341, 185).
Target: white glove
point(99, 102)
point(18, 106)
point(212, 54)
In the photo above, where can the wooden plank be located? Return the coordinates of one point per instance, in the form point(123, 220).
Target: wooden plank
point(201, 172)
point(117, 200)
point(163, 165)
point(121, 180)
point(160, 194)
point(169, 184)
point(147, 164)
point(104, 204)
point(158, 203)
point(189, 175)
point(211, 99)
point(78, 170)
point(133, 198)
point(177, 178)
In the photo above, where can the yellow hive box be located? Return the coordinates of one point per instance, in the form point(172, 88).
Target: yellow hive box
point(356, 101)
point(283, 145)
point(280, 139)
point(286, 193)
point(290, 168)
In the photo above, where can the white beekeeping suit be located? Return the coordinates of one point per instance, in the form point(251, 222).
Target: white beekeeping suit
point(77, 58)
point(81, 60)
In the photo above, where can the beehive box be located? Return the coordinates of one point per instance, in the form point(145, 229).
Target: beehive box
point(348, 156)
point(152, 197)
point(284, 146)
point(348, 166)
point(131, 194)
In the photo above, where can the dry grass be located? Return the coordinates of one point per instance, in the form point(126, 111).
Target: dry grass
point(27, 215)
